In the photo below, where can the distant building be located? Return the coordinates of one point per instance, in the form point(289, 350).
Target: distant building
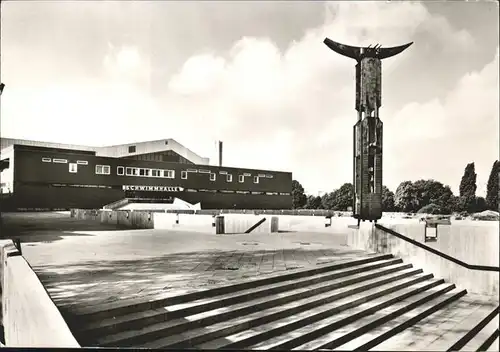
point(60, 176)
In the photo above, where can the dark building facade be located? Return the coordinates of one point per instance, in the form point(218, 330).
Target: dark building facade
point(57, 178)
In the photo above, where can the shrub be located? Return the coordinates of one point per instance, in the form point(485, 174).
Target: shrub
point(430, 209)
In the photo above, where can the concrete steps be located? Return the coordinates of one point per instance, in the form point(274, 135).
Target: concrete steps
point(354, 304)
point(482, 336)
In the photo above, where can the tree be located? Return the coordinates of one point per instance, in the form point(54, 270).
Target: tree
point(492, 187)
point(299, 198)
point(468, 188)
point(430, 209)
point(343, 197)
point(480, 204)
point(313, 202)
point(387, 199)
point(405, 198)
point(328, 200)
point(433, 192)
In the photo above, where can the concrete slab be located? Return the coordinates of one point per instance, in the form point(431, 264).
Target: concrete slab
point(84, 263)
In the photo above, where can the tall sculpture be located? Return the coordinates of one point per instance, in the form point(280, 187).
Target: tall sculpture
point(367, 173)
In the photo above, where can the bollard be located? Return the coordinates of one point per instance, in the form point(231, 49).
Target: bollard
point(213, 220)
point(328, 221)
point(219, 225)
point(274, 224)
point(177, 218)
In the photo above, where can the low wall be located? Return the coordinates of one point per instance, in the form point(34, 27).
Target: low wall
point(30, 318)
point(475, 243)
point(128, 219)
point(183, 222)
point(86, 214)
point(240, 223)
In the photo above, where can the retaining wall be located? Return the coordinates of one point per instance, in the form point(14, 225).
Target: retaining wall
point(240, 223)
point(475, 243)
point(129, 219)
point(30, 318)
point(183, 222)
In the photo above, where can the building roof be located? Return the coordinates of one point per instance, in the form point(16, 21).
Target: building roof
point(117, 151)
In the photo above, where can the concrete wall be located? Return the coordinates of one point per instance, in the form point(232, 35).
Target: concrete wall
point(239, 223)
point(129, 219)
point(30, 318)
point(186, 222)
point(475, 243)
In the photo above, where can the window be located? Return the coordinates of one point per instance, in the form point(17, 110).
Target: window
point(73, 168)
point(102, 169)
point(184, 175)
point(154, 173)
point(241, 178)
point(269, 176)
point(60, 161)
point(204, 171)
point(169, 173)
point(256, 179)
point(130, 171)
point(135, 171)
point(229, 178)
point(120, 170)
point(212, 177)
point(131, 149)
point(82, 162)
point(141, 172)
point(166, 142)
point(46, 160)
point(147, 172)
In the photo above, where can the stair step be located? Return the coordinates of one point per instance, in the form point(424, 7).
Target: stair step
point(223, 314)
point(459, 327)
point(372, 338)
point(331, 332)
point(366, 324)
point(285, 318)
point(263, 332)
point(482, 336)
point(284, 292)
point(433, 328)
point(495, 346)
point(134, 305)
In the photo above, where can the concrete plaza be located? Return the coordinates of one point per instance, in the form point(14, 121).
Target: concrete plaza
point(88, 263)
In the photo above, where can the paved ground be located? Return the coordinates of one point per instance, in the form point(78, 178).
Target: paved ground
point(86, 263)
point(441, 330)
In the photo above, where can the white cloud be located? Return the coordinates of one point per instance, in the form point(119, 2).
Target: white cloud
point(462, 128)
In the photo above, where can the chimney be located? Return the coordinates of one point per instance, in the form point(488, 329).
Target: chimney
point(220, 153)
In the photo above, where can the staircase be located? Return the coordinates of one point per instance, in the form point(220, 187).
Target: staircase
point(365, 303)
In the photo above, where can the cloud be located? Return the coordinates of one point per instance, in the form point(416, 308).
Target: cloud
point(441, 136)
point(287, 109)
point(308, 91)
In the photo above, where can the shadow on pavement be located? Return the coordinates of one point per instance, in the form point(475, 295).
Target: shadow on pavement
point(95, 283)
point(47, 227)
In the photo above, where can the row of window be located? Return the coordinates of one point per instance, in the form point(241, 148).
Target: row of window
point(63, 161)
point(160, 173)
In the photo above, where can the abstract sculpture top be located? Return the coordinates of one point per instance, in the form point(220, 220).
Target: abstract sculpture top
point(357, 53)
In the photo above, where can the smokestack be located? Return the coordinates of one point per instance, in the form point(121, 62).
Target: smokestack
point(220, 153)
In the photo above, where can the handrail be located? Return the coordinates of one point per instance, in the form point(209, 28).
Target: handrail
point(438, 253)
point(113, 205)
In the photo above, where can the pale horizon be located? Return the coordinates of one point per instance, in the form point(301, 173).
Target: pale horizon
point(258, 77)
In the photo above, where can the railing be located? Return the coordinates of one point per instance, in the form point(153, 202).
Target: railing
point(116, 204)
point(438, 253)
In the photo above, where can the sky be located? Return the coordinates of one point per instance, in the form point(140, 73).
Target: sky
point(257, 76)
